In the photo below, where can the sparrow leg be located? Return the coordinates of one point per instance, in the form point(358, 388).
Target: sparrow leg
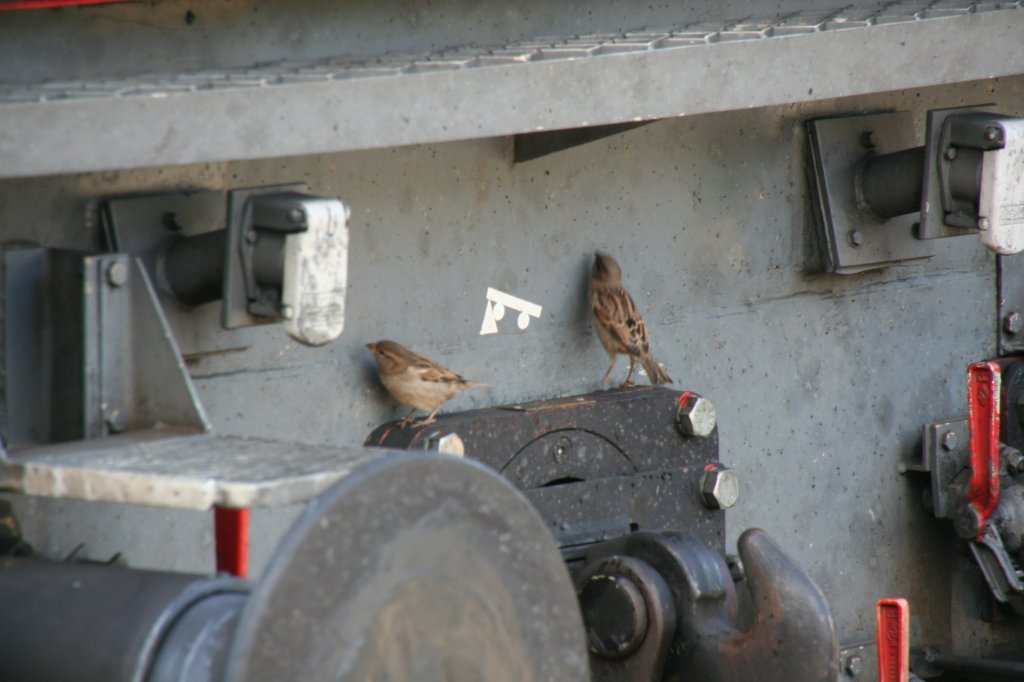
point(604, 379)
point(628, 382)
point(430, 418)
point(407, 419)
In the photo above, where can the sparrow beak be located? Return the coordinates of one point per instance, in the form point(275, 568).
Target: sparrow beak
point(372, 347)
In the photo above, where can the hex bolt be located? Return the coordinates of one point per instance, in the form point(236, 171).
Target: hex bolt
point(251, 237)
point(696, 415)
point(1013, 459)
point(853, 667)
point(447, 443)
point(950, 153)
point(719, 487)
point(296, 216)
point(287, 312)
point(950, 440)
point(991, 133)
point(856, 237)
point(560, 449)
point(983, 223)
point(1013, 323)
point(117, 274)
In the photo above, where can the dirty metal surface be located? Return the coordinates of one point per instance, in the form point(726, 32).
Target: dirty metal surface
point(821, 383)
point(167, 469)
point(595, 466)
point(689, 65)
point(418, 567)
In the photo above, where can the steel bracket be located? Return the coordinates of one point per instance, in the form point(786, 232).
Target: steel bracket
point(111, 364)
point(854, 239)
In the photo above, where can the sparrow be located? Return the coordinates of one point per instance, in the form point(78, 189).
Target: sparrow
point(618, 323)
point(415, 380)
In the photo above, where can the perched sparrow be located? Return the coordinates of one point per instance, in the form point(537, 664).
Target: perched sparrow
point(414, 380)
point(619, 325)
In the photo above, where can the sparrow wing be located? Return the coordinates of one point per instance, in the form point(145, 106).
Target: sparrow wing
point(615, 311)
point(428, 370)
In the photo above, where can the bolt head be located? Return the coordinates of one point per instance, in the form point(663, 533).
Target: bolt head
point(448, 443)
point(854, 666)
point(983, 223)
point(696, 415)
point(117, 274)
point(296, 216)
point(1013, 323)
point(856, 237)
point(991, 133)
point(950, 153)
point(287, 312)
point(950, 441)
point(719, 487)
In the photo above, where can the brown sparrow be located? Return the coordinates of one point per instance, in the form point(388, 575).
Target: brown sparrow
point(618, 323)
point(415, 380)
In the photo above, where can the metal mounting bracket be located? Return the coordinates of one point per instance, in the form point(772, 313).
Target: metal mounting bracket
point(855, 240)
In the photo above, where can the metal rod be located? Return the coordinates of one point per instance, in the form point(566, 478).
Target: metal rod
point(193, 267)
point(976, 666)
point(890, 185)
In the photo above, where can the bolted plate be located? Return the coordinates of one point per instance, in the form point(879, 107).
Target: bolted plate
point(855, 241)
point(414, 567)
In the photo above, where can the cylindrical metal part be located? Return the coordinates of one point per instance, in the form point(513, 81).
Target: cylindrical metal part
point(268, 258)
point(1011, 670)
point(193, 267)
point(965, 174)
point(96, 623)
point(890, 185)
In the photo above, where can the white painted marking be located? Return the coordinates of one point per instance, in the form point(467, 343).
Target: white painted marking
point(497, 302)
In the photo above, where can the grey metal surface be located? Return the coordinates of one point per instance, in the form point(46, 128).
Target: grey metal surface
point(462, 92)
point(417, 566)
point(1010, 300)
point(821, 383)
point(857, 240)
point(168, 469)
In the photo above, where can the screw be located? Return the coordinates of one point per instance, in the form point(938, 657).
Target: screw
point(1013, 323)
point(950, 153)
point(983, 223)
point(950, 441)
point(117, 274)
point(296, 216)
point(991, 134)
point(696, 415)
point(719, 487)
point(449, 444)
point(854, 666)
point(856, 237)
point(558, 452)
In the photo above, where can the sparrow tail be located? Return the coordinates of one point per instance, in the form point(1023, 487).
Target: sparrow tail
point(654, 371)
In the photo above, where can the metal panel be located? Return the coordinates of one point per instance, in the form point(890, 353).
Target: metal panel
point(463, 93)
point(821, 382)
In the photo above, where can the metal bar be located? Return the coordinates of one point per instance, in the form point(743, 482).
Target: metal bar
point(976, 666)
point(465, 93)
point(231, 540)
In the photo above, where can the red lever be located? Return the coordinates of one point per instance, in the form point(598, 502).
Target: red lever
point(231, 540)
point(983, 384)
point(892, 631)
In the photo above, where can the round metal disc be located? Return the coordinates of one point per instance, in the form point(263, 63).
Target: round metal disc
point(414, 567)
